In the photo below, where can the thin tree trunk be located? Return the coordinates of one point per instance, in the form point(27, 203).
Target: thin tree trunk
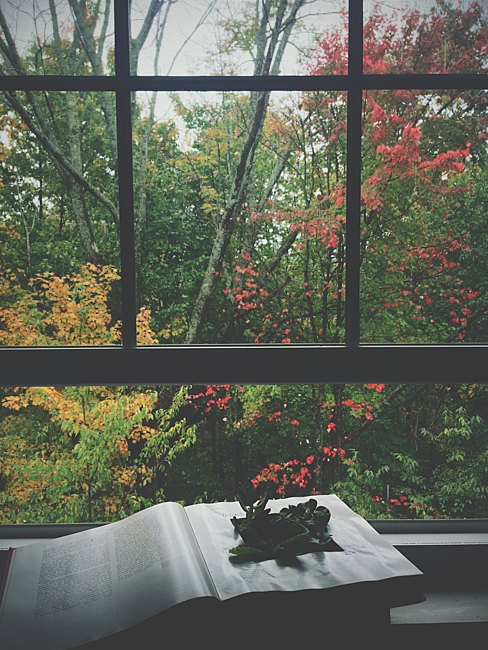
point(338, 391)
point(270, 52)
point(226, 226)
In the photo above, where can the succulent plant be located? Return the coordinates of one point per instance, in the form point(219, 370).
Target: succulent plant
point(293, 531)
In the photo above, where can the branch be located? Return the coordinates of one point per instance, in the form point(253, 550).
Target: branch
point(203, 18)
point(290, 22)
point(9, 50)
point(58, 154)
point(226, 226)
point(138, 42)
point(357, 431)
point(95, 59)
point(258, 106)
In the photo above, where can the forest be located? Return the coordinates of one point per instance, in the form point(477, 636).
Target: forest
point(240, 209)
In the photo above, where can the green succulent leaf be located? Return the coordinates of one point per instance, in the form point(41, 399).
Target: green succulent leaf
point(292, 545)
point(295, 530)
point(243, 498)
point(246, 553)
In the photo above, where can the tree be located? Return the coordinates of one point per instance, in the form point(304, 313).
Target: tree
point(81, 453)
point(58, 120)
point(420, 251)
point(267, 56)
point(240, 205)
point(281, 274)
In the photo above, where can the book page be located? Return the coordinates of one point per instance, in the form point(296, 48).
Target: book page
point(366, 556)
point(75, 589)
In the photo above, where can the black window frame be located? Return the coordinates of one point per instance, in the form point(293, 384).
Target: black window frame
point(130, 364)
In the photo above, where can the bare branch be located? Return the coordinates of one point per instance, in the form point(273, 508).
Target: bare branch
point(138, 42)
point(186, 40)
point(96, 61)
point(50, 146)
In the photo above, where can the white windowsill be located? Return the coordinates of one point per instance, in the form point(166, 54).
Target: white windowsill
point(435, 539)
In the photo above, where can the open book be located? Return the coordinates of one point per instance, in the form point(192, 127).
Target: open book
point(69, 591)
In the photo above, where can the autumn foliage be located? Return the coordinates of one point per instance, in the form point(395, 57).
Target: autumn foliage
point(96, 448)
point(267, 267)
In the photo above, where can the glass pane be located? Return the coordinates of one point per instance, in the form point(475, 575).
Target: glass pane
point(425, 37)
point(233, 38)
point(59, 252)
point(240, 212)
point(56, 38)
point(103, 453)
point(424, 275)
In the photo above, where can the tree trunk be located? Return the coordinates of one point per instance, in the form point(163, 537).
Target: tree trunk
point(268, 59)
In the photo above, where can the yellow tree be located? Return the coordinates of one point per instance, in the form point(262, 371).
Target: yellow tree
point(80, 453)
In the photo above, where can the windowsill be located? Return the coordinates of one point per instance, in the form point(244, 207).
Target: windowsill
point(452, 554)
point(442, 607)
point(436, 539)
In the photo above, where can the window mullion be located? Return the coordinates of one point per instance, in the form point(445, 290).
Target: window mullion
point(353, 188)
point(125, 173)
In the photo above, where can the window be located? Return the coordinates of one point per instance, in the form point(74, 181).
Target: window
point(358, 351)
point(355, 359)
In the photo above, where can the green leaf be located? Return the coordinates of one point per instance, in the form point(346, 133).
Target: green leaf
point(246, 553)
point(292, 545)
